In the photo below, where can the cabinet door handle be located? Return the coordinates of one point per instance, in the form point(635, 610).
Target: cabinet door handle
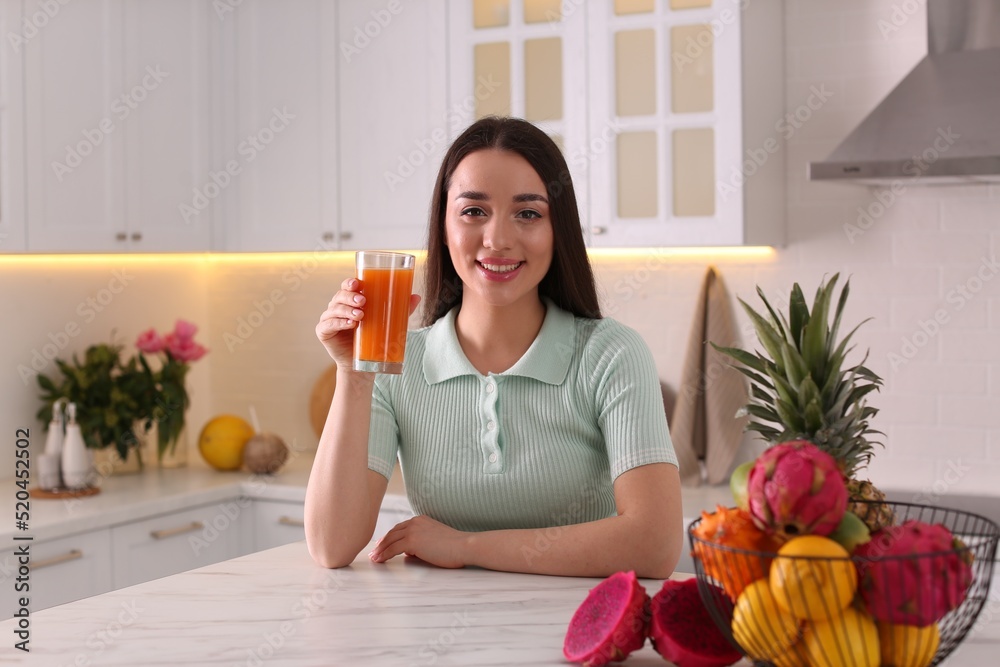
point(74, 554)
point(598, 230)
point(136, 236)
point(121, 236)
point(328, 236)
point(290, 521)
point(346, 236)
point(170, 532)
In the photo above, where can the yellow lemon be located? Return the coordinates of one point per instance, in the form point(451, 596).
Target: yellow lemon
point(813, 578)
point(760, 626)
point(848, 639)
point(222, 440)
point(794, 656)
point(908, 645)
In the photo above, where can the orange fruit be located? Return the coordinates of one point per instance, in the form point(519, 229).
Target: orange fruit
point(222, 440)
point(813, 578)
point(760, 626)
point(732, 527)
point(908, 645)
point(847, 639)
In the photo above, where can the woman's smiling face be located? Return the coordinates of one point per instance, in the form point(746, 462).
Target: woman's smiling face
point(497, 228)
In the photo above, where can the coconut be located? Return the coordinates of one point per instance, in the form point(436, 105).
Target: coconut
point(265, 453)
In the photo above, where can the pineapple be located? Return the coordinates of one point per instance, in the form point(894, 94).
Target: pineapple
point(800, 389)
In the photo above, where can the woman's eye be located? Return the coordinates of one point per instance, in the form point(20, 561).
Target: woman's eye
point(529, 214)
point(473, 210)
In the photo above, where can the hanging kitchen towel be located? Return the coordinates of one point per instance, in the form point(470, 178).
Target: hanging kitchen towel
point(705, 430)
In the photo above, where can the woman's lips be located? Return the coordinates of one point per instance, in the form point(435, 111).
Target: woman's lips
point(499, 270)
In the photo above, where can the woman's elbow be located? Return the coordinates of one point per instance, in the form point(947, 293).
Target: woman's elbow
point(330, 558)
point(661, 553)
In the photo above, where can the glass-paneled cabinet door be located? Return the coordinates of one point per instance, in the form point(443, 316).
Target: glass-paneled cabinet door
point(665, 104)
point(524, 58)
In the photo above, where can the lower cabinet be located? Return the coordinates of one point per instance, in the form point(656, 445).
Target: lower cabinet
point(172, 543)
point(281, 522)
point(277, 523)
point(59, 571)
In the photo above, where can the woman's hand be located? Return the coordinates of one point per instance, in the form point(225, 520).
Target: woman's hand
point(429, 540)
point(337, 323)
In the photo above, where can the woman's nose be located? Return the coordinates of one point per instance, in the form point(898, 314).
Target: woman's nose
point(497, 233)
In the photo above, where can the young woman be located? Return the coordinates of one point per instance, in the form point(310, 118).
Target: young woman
point(530, 431)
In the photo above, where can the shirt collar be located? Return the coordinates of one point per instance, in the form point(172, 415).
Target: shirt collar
point(547, 359)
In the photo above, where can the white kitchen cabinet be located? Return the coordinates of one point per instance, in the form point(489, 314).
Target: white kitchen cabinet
point(280, 131)
point(16, 33)
point(393, 120)
point(668, 113)
point(172, 543)
point(280, 522)
point(116, 114)
point(61, 570)
point(277, 523)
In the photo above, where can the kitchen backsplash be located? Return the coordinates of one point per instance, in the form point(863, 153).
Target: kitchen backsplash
point(920, 261)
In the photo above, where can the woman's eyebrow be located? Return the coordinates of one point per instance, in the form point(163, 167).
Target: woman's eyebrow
point(473, 194)
point(530, 196)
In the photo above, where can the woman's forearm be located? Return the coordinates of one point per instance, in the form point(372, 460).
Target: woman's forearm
point(597, 548)
point(339, 513)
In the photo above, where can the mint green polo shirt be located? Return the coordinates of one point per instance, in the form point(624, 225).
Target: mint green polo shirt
point(538, 445)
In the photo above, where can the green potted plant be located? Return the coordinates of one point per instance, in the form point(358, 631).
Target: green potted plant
point(112, 398)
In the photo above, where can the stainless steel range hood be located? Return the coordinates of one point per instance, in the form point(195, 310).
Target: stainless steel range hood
point(941, 124)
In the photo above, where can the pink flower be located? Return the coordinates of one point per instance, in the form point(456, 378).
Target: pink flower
point(183, 349)
point(149, 341)
point(185, 330)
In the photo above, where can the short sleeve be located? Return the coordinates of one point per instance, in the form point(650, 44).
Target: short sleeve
point(628, 400)
point(383, 435)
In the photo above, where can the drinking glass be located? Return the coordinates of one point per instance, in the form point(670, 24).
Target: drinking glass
point(386, 281)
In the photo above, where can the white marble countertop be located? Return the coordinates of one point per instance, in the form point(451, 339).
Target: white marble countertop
point(277, 607)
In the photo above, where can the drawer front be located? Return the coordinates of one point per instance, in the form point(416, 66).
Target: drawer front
point(277, 523)
point(60, 570)
point(180, 541)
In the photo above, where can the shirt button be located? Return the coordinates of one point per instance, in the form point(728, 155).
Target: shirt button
point(490, 425)
point(489, 387)
point(493, 458)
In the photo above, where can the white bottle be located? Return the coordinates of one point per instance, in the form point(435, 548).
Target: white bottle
point(76, 461)
point(54, 439)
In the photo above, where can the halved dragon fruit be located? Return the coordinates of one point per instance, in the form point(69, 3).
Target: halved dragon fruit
point(914, 573)
point(682, 630)
point(611, 622)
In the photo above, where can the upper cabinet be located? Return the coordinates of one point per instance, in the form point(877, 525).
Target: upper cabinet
point(263, 125)
point(11, 128)
point(116, 110)
point(659, 105)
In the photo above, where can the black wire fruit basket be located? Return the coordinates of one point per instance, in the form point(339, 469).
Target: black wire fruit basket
point(803, 610)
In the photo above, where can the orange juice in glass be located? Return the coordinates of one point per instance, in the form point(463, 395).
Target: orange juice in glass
point(386, 281)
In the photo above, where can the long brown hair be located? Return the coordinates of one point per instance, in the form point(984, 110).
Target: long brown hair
point(569, 282)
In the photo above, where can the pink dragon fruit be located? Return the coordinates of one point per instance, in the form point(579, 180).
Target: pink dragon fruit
point(610, 623)
point(796, 488)
point(682, 630)
point(914, 573)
